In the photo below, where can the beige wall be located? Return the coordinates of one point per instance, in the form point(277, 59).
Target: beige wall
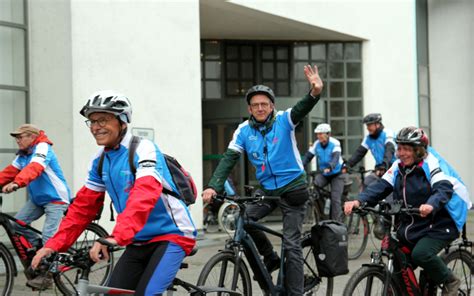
point(148, 50)
point(451, 40)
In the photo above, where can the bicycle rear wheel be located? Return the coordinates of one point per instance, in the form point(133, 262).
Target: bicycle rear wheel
point(461, 264)
point(7, 270)
point(100, 272)
point(357, 234)
point(313, 283)
point(369, 280)
point(219, 271)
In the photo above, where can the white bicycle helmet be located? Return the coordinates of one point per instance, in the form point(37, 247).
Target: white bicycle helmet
point(108, 101)
point(322, 128)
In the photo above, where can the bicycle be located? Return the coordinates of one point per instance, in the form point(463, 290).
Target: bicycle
point(25, 253)
point(80, 259)
point(228, 269)
point(359, 227)
point(396, 276)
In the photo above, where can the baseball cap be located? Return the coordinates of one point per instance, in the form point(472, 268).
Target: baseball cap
point(26, 128)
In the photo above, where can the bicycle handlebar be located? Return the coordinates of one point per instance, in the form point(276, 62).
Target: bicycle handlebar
point(80, 258)
point(244, 199)
point(385, 208)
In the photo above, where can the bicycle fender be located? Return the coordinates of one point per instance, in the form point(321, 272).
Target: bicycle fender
point(380, 266)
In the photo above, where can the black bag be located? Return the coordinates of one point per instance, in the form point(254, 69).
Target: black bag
point(329, 239)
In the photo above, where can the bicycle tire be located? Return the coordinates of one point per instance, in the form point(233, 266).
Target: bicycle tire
point(7, 271)
point(365, 279)
point(227, 217)
point(219, 270)
point(100, 272)
point(357, 235)
point(313, 283)
point(460, 262)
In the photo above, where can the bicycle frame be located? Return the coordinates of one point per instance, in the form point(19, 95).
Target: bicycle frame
point(19, 242)
point(398, 268)
point(242, 242)
point(82, 261)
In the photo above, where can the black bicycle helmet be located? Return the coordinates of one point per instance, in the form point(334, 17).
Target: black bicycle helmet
point(372, 118)
point(412, 136)
point(260, 89)
point(110, 102)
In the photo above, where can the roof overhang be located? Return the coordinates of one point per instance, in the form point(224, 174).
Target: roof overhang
point(226, 20)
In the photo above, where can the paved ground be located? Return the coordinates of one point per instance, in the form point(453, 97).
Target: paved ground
point(210, 243)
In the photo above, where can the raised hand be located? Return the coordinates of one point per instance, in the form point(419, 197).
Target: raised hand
point(312, 75)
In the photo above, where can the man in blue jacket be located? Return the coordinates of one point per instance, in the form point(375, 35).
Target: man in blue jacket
point(328, 151)
point(268, 139)
point(380, 143)
point(155, 226)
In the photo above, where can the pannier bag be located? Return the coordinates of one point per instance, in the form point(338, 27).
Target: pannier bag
point(329, 239)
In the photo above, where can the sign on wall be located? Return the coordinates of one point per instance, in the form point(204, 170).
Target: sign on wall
point(146, 133)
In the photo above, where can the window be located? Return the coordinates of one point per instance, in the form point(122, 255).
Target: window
point(340, 67)
point(240, 68)
point(13, 82)
point(275, 68)
point(211, 68)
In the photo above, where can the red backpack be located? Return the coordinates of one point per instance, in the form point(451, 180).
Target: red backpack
point(185, 185)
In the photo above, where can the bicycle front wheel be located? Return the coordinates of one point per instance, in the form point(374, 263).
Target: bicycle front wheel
point(357, 235)
point(100, 273)
point(369, 280)
point(313, 283)
point(460, 262)
point(7, 269)
point(219, 272)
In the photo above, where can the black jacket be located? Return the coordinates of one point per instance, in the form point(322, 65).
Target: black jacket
point(413, 188)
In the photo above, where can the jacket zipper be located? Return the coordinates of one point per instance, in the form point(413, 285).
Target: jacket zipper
point(113, 186)
point(406, 204)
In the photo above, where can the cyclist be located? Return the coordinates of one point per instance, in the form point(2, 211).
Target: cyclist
point(268, 138)
point(328, 151)
point(422, 179)
point(155, 227)
point(37, 168)
point(380, 143)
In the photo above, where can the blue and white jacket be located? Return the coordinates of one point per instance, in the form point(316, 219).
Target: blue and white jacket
point(169, 217)
point(377, 145)
point(50, 185)
point(329, 156)
point(272, 151)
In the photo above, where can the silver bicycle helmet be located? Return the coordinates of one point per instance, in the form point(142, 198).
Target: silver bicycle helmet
point(412, 136)
point(108, 101)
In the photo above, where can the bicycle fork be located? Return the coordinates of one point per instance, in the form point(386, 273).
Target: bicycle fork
point(388, 276)
point(238, 261)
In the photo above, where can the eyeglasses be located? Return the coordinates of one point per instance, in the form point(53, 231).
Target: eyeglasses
point(101, 122)
point(264, 105)
point(21, 136)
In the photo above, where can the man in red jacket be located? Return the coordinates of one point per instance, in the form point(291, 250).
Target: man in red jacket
point(36, 167)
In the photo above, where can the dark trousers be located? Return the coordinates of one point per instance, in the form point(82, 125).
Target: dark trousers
point(337, 188)
point(148, 269)
point(425, 255)
point(293, 216)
